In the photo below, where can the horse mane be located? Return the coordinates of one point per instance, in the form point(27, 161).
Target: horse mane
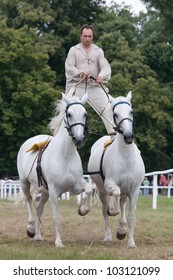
point(59, 111)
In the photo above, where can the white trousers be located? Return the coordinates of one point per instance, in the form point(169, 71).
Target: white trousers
point(99, 101)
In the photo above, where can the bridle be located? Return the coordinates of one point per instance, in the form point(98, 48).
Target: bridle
point(118, 125)
point(68, 125)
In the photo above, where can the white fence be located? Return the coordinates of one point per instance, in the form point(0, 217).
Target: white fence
point(9, 188)
point(155, 186)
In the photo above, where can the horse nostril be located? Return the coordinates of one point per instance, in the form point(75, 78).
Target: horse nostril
point(78, 141)
point(128, 138)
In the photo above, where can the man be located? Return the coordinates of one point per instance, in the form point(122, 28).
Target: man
point(85, 61)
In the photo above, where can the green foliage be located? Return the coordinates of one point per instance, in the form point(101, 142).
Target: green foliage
point(26, 91)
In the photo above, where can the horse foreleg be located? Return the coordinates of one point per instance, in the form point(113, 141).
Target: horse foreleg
point(121, 232)
point(108, 235)
point(43, 198)
point(113, 208)
point(86, 203)
point(112, 190)
point(131, 219)
point(56, 217)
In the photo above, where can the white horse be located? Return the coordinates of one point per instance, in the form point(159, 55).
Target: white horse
point(118, 170)
point(61, 167)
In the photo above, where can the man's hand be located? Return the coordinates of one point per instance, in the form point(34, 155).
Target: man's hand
point(99, 80)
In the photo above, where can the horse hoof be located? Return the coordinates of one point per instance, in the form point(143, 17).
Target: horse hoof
point(38, 237)
point(108, 241)
point(131, 245)
point(79, 212)
point(59, 245)
point(112, 213)
point(121, 236)
point(84, 212)
point(30, 234)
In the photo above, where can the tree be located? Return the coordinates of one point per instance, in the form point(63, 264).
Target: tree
point(26, 91)
point(35, 37)
point(164, 11)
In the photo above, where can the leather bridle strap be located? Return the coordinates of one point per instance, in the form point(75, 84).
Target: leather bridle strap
point(68, 126)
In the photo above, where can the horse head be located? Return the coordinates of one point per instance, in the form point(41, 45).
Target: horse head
point(123, 116)
point(76, 118)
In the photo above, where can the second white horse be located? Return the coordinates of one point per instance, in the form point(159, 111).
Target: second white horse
point(121, 170)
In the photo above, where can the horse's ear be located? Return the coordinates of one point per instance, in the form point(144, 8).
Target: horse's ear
point(84, 98)
point(65, 98)
point(129, 96)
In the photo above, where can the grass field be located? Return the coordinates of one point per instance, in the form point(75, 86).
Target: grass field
point(83, 236)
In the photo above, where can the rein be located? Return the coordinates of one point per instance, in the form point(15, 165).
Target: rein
point(99, 113)
point(92, 78)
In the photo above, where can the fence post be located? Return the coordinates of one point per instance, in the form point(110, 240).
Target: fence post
point(155, 191)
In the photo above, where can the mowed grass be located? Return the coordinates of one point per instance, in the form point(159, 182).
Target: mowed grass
point(83, 236)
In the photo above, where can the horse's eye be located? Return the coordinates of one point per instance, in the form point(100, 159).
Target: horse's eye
point(115, 115)
point(69, 115)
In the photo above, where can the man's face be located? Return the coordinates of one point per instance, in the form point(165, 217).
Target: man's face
point(86, 37)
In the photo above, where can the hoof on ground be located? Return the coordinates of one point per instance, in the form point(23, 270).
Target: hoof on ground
point(30, 233)
point(108, 241)
point(38, 238)
point(59, 245)
point(121, 236)
point(131, 246)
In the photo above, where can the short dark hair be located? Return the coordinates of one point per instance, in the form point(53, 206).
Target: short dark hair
point(87, 26)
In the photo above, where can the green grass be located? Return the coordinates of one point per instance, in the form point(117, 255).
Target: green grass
point(83, 236)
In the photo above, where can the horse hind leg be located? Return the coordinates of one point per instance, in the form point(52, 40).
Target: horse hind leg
point(43, 199)
point(31, 222)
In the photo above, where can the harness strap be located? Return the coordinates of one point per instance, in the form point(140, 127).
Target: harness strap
point(41, 180)
point(101, 165)
point(100, 172)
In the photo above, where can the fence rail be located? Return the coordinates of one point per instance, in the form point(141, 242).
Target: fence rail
point(9, 188)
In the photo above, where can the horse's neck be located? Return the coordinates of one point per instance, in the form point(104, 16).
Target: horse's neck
point(62, 141)
point(121, 147)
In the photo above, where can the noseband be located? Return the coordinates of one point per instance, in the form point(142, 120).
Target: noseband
point(118, 126)
point(68, 126)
